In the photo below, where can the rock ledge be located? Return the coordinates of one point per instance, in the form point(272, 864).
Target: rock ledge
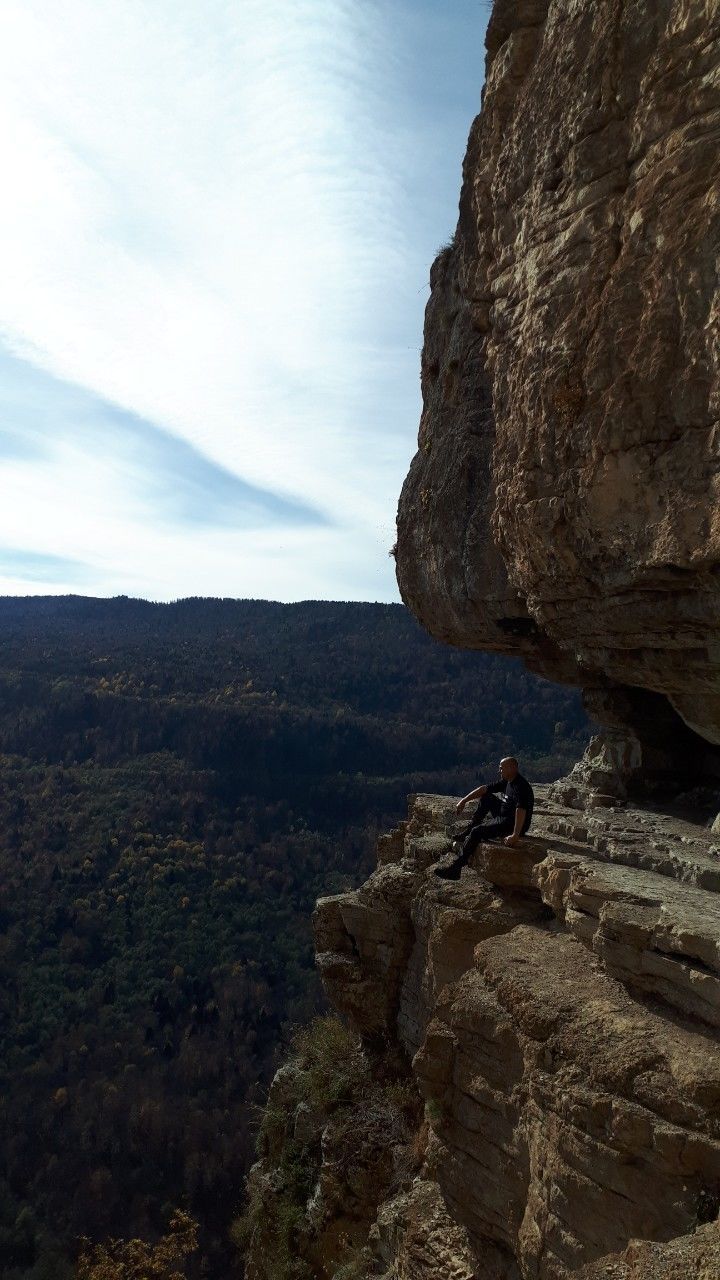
point(560, 1007)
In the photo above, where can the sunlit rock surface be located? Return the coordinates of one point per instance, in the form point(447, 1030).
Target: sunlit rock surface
point(563, 503)
point(559, 1006)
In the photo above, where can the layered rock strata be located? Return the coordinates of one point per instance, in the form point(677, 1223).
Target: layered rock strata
point(563, 503)
point(560, 1009)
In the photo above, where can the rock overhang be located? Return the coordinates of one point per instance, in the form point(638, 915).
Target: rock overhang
point(563, 503)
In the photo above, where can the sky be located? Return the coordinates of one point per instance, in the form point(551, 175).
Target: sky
point(216, 231)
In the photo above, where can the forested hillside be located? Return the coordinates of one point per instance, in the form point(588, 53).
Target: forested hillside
point(178, 783)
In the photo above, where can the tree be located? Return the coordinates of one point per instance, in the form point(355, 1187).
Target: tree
point(137, 1260)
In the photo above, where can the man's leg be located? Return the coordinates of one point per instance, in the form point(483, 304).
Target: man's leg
point(490, 803)
point(470, 843)
point(477, 832)
point(497, 830)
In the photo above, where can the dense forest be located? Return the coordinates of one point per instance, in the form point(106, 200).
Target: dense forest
point(178, 783)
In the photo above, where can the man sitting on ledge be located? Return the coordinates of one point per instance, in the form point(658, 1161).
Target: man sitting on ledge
point(510, 802)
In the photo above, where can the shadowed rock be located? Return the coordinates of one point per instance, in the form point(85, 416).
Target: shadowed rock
point(562, 505)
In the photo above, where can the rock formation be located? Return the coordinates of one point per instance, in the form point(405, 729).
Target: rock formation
point(563, 503)
point(560, 1009)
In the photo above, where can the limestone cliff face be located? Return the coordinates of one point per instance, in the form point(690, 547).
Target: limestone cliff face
point(563, 503)
point(558, 1008)
point(559, 1011)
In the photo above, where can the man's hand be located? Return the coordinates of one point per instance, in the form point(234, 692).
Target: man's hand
point(473, 795)
point(514, 839)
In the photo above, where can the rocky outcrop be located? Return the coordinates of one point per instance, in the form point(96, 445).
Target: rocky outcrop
point(563, 503)
point(558, 1008)
point(695, 1257)
point(559, 1011)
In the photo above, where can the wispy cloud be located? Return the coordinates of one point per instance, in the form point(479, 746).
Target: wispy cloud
point(42, 418)
point(23, 566)
point(214, 220)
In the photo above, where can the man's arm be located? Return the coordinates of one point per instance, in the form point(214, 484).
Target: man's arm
point(471, 795)
point(520, 815)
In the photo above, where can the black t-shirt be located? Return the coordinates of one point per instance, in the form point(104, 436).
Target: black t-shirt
point(517, 794)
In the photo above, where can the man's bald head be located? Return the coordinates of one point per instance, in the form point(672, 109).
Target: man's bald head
point(509, 767)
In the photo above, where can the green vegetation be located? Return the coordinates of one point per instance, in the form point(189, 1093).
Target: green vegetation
point(447, 245)
point(178, 783)
point(332, 1063)
point(325, 1070)
point(327, 1078)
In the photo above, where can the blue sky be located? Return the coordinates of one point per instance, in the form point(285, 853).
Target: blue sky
point(215, 236)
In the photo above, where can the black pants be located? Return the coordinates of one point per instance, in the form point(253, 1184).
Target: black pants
point(481, 830)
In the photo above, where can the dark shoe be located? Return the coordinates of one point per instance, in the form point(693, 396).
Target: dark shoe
point(451, 872)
